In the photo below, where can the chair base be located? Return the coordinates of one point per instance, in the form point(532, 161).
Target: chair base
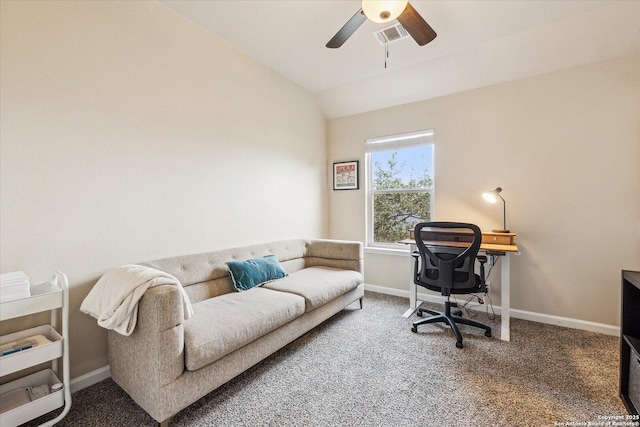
point(451, 319)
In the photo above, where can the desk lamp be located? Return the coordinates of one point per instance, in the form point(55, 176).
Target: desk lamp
point(492, 197)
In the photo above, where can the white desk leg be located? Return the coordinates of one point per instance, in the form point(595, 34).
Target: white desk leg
point(505, 302)
point(413, 288)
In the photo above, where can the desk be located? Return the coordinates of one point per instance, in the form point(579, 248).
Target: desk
point(492, 244)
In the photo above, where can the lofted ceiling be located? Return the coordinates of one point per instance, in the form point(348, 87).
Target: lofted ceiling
point(479, 43)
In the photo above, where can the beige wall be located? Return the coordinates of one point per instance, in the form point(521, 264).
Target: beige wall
point(565, 148)
point(130, 134)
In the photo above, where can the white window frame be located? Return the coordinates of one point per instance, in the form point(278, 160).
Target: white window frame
point(388, 143)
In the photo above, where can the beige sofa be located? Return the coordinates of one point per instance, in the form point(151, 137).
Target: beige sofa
point(168, 363)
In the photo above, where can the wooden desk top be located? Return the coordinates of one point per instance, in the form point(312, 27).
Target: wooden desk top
point(491, 242)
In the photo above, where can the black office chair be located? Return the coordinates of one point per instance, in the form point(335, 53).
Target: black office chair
point(449, 269)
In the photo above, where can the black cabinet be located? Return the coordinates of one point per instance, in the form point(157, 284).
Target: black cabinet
point(630, 341)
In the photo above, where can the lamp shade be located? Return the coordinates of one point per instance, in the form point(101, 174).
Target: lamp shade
point(492, 195)
point(383, 10)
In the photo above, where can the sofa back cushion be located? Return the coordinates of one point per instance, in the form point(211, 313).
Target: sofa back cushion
point(206, 275)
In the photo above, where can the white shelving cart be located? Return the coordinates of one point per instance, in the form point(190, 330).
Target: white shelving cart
point(52, 295)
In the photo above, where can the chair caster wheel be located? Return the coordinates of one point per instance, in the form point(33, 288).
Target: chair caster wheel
point(487, 334)
point(457, 313)
point(414, 329)
point(459, 344)
point(419, 313)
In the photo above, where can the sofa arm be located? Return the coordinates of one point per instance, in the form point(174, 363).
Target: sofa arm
point(344, 254)
point(153, 355)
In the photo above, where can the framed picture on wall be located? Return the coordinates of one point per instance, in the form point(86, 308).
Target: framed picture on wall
point(345, 175)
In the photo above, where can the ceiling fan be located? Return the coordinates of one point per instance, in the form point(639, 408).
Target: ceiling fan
point(384, 11)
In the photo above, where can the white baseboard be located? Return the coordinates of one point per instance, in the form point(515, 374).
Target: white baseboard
point(567, 322)
point(549, 319)
point(91, 378)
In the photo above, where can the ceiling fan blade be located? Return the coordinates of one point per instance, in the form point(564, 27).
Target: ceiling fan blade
point(416, 26)
point(347, 30)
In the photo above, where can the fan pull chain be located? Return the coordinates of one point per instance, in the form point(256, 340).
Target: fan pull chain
point(386, 46)
point(386, 53)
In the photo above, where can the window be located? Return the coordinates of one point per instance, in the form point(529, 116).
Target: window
point(400, 185)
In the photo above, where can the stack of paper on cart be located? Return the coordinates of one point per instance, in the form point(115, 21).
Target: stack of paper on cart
point(14, 286)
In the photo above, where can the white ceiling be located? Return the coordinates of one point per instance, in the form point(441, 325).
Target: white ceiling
point(479, 43)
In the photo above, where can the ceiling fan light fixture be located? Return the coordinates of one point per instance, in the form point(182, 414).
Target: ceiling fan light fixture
point(382, 11)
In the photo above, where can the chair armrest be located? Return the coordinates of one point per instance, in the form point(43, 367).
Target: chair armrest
point(482, 259)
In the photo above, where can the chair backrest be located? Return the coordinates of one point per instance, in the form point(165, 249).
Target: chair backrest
point(448, 268)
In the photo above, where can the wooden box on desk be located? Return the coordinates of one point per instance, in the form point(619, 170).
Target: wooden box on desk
point(465, 235)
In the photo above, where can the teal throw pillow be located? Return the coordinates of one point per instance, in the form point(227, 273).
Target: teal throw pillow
point(254, 272)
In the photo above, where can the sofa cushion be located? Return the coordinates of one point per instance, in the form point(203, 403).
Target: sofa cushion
point(254, 272)
point(225, 323)
point(318, 285)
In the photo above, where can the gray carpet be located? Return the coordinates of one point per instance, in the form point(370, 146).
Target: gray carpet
point(366, 368)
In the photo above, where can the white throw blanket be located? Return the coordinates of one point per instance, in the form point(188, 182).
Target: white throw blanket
point(114, 298)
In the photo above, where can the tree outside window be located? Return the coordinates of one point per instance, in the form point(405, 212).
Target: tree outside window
point(401, 191)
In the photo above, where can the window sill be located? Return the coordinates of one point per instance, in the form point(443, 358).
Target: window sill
point(387, 251)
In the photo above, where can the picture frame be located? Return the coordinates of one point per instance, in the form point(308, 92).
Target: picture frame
point(346, 175)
